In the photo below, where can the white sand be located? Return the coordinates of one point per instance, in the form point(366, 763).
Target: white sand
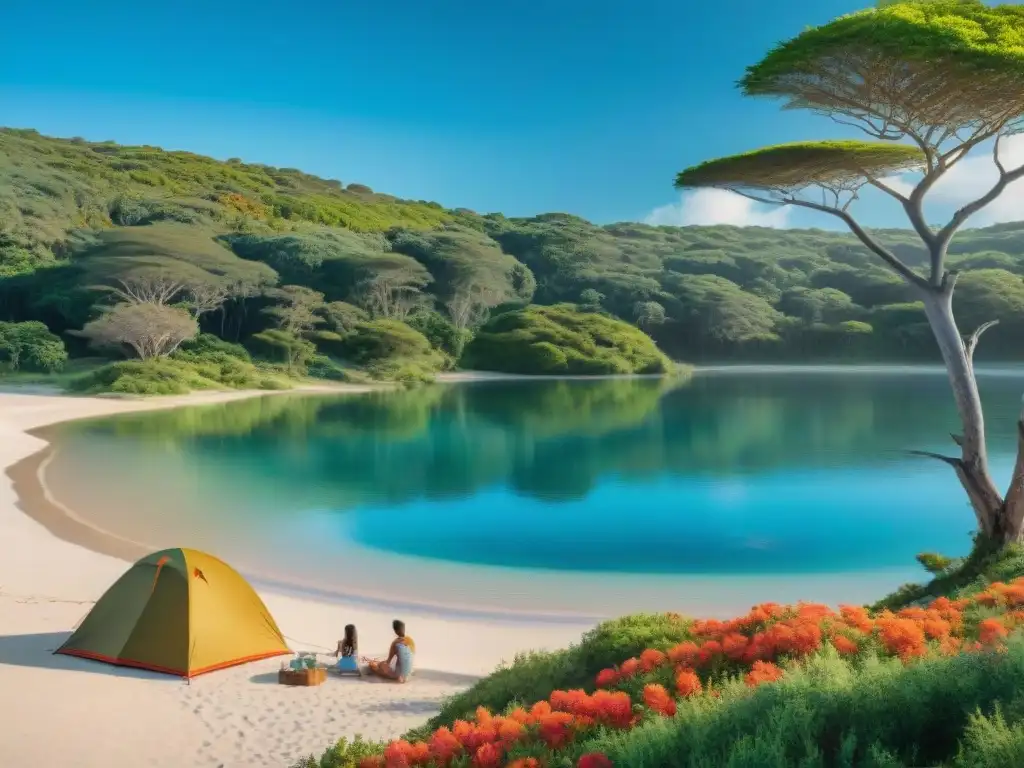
point(61, 711)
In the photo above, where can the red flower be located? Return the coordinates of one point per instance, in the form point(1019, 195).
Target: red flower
point(595, 760)
point(687, 683)
point(554, 729)
point(991, 631)
point(658, 700)
point(845, 645)
point(684, 653)
point(444, 746)
point(487, 756)
point(629, 667)
point(651, 659)
point(902, 637)
point(763, 672)
point(709, 651)
point(607, 677)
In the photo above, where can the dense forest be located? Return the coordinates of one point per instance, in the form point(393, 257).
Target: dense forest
point(97, 238)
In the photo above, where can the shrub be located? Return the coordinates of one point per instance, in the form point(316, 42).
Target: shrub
point(30, 346)
point(779, 686)
point(322, 367)
point(392, 351)
point(533, 676)
point(206, 363)
point(561, 340)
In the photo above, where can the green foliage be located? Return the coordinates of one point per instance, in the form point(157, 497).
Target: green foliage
point(933, 562)
point(390, 350)
point(957, 37)
point(205, 362)
point(560, 340)
point(80, 216)
point(293, 351)
point(30, 346)
point(377, 340)
point(532, 677)
point(800, 164)
point(344, 754)
point(961, 578)
point(831, 713)
point(989, 742)
point(439, 331)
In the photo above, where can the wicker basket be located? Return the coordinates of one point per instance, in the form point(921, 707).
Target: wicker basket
point(302, 676)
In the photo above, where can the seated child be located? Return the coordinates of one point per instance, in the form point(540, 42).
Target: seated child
point(347, 648)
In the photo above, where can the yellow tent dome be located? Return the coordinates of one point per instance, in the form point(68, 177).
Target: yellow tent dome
point(181, 612)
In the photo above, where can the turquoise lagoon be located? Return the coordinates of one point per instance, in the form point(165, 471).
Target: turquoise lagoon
point(556, 496)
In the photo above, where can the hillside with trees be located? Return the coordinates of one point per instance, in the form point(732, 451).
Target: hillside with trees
point(305, 275)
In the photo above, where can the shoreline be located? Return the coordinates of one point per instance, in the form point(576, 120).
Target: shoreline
point(235, 718)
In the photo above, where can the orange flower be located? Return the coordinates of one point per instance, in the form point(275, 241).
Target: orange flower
point(688, 683)
point(856, 617)
point(950, 646)
point(845, 645)
point(629, 667)
point(651, 659)
point(684, 653)
point(658, 700)
point(606, 677)
point(763, 672)
point(444, 746)
point(935, 628)
point(708, 651)
point(734, 645)
point(595, 760)
point(902, 637)
point(554, 729)
point(488, 756)
point(991, 631)
point(540, 709)
point(510, 731)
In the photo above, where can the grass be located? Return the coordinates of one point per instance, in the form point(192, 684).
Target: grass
point(869, 710)
point(73, 369)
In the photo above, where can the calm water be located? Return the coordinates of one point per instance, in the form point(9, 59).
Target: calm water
point(552, 495)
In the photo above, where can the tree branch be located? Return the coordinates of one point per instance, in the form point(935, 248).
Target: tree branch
point(961, 216)
point(877, 248)
point(972, 341)
point(951, 460)
point(888, 190)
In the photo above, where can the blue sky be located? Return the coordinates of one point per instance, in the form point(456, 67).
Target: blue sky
point(582, 106)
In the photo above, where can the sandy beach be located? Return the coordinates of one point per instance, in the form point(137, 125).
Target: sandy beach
point(58, 710)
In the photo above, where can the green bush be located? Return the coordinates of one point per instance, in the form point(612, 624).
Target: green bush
point(322, 367)
point(532, 677)
point(830, 713)
point(390, 350)
point(160, 376)
point(344, 754)
point(206, 363)
point(561, 340)
point(30, 346)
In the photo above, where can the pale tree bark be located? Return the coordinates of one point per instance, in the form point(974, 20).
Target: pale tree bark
point(1000, 517)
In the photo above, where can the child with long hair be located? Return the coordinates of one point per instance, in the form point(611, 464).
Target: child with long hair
point(348, 649)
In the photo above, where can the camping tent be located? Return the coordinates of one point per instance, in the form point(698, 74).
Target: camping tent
point(181, 612)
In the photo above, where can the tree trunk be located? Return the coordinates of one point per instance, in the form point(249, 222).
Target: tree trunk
point(999, 521)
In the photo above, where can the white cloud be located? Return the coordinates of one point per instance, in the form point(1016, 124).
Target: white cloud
point(972, 177)
point(718, 206)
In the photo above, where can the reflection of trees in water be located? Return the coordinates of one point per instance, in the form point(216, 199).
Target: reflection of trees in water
point(555, 439)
